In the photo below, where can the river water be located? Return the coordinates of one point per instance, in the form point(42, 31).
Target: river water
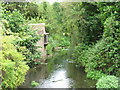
point(59, 72)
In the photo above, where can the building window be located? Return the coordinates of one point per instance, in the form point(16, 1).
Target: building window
point(46, 39)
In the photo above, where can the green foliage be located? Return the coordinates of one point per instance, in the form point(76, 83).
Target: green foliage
point(103, 55)
point(52, 15)
point(34, 83)
point(93, 58)
point(13, 66)
point(18, 48)
point(60, 42)
point(107, 82)
point(51, 46)
point(36, 20)
point(64, 42)
point(26, 38)
point(1, 32)
point(81, 22)
point(95, 74)
point(15, 20)
point(54, 25)
point(29, 9)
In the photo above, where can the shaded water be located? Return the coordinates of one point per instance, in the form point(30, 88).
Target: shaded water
point(58, 73)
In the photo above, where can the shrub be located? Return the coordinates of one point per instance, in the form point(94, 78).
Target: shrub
point(14, 67)
point(78, 54)
point(34, 83)
point(95, 74)
point(107, 82)
point(64, 42)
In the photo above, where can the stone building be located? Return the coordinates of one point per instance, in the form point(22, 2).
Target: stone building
point(40, 27)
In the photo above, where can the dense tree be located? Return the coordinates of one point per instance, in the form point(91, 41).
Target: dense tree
point(103, 56)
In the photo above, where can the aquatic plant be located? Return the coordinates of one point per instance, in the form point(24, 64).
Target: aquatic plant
point(34, 83)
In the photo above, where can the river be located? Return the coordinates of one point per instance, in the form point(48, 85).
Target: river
point(58, 72)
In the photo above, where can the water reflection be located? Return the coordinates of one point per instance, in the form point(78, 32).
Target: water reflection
point(78, 76)
point(59, 73)
point(35, 74)
point(58, 79)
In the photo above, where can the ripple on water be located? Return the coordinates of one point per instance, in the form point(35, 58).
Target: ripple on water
point(57, 79)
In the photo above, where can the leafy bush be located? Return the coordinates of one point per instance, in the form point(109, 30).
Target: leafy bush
point(95, 75)
point(93, 59)
point(15, 20)
point(64, 42)
point(14, 67)
point(79, 54)
point(107, 82)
